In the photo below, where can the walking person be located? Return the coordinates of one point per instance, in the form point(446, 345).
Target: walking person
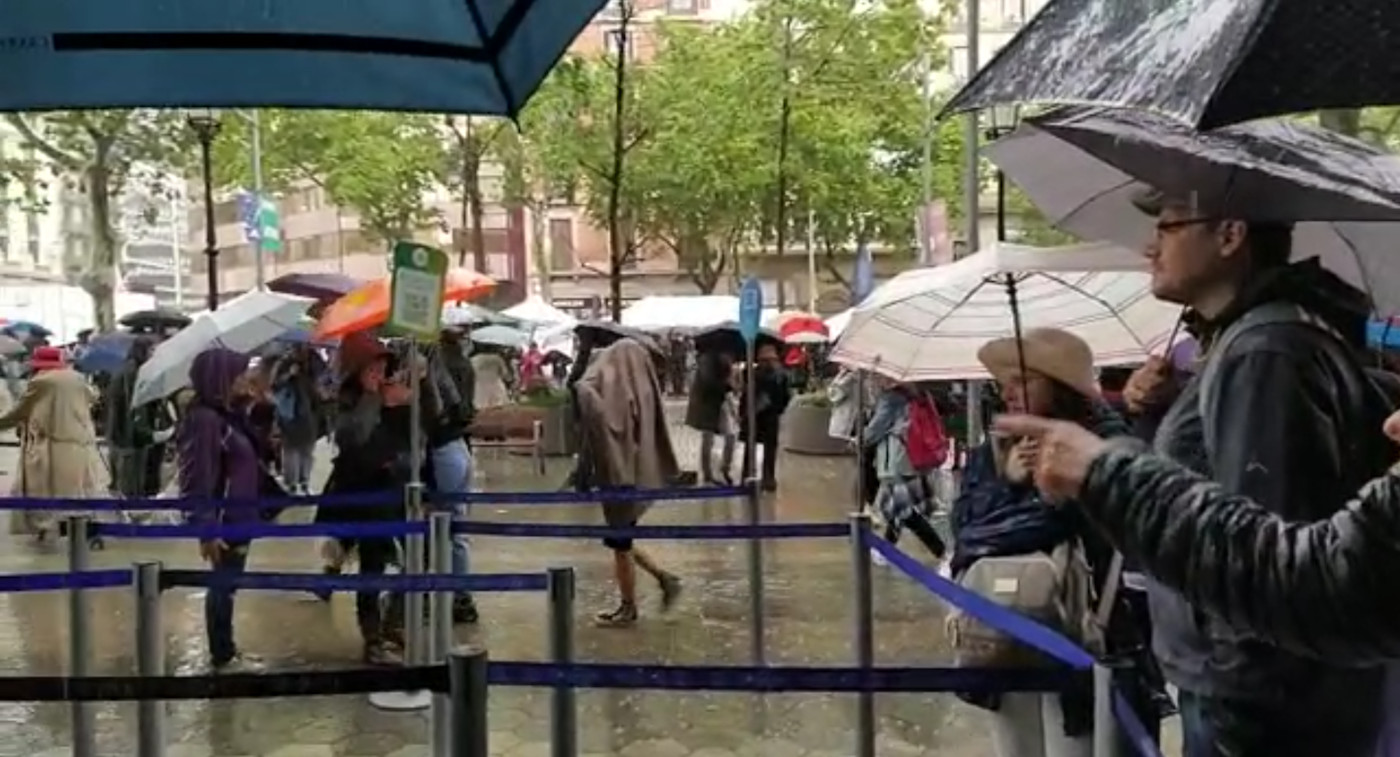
point(135, 446)
point(707, 411)
point(907, 449)
point(298, 414)
point(58, 444)
point(772, 393)
point(447, 421)
point(626, 445)
point(219, 469)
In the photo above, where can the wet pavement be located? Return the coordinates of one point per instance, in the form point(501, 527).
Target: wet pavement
point(808, 615)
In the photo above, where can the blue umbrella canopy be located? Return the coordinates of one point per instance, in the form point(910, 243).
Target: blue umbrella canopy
point(442, 56)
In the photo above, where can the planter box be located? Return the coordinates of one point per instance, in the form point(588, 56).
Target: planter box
point(516, 424)
point(804, 432)
point(560, 434)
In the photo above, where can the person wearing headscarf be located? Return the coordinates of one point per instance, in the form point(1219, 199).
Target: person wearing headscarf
point(58, 444)
point(219, 469)
point(625, 445)
point(373, 442)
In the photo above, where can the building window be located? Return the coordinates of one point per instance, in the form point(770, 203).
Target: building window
point(615, 43)
point(683, 7)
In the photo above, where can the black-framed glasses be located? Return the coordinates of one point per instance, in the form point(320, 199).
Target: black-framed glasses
point(1166, 227)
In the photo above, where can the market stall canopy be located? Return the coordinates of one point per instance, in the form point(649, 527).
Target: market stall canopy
point(437, 56)
point(658, 313)
point(927, 324)
point(469, 315)
point(536, 310)
point(501, 336)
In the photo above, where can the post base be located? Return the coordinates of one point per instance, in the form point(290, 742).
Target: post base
point(401, 701)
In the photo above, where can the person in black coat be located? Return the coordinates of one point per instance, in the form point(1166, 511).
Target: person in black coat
point(772, 393)
point(706, 412)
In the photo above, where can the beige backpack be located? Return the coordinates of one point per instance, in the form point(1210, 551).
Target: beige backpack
point(1055, 590)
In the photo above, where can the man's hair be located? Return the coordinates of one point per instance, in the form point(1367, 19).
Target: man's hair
point(1270, 244)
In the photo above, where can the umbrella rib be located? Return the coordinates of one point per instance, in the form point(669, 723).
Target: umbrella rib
point(1097, 195)
point(1112, 311)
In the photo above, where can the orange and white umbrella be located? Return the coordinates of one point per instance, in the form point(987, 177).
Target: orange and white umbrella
point(368, 306)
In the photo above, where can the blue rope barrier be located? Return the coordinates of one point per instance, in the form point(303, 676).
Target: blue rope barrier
point(249, 531)
point(1017, 626)
point(689, 533)
point(398, 584)
point(1134, 729)
point(375, 499)
point(779, 678)
point(89, 579)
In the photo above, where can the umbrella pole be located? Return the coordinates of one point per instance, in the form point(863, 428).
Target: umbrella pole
point(1016, 327)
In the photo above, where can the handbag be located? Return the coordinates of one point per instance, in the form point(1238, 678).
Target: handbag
point(1055, 590)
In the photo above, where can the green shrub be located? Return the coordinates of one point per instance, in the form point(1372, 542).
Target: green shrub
point(812, 399)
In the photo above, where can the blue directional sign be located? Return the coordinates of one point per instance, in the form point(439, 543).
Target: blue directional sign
point(750, 308)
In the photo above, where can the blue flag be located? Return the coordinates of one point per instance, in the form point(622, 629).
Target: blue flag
point(863, 282)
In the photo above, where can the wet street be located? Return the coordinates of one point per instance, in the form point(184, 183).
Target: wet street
point(808, 611)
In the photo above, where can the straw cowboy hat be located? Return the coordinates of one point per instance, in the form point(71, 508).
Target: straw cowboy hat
point(1053, 353)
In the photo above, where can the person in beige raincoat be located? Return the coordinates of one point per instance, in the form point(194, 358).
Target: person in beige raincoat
point(58, 444)
point(626, 445)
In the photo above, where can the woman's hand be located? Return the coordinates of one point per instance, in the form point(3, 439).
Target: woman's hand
point(1064, 452)
point(1149, 385)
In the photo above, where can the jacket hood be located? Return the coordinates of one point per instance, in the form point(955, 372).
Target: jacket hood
point(1314, 288)
point(213, 372)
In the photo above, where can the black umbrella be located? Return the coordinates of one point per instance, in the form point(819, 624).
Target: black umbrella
point(1087, 170)
point(727, 338)
point(600, 334)
point(1206, 63)
point(160, 319)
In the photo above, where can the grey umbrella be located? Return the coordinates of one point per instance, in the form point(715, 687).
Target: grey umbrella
point(1084, 167)
point(10, 346)
point(1205, 63)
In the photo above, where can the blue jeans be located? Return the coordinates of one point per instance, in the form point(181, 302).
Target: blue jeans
point(218, 606)
point(296, 466)
point(452, 474)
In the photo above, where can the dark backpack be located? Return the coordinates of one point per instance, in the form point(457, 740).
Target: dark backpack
point(1378, 391)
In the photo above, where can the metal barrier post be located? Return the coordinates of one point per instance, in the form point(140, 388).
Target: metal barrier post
point(415, 639)
point(466, 670)
point(537, 432)
point(1106, 739)
point(563, 712)
point(864, 631)
point(150, 715)
point(440, 621)
point(414, 627)
point(79, 638)
point(756, 601)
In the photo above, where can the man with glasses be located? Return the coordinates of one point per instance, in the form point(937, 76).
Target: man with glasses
point(1279, 411)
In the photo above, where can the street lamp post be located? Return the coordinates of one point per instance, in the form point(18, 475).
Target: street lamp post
point(1004, 120)
point(205, 124)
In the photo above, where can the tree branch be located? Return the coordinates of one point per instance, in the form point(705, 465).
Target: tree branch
point(44, 146)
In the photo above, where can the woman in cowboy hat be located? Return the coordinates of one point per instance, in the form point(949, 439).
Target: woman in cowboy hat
point(58, 450)
point(999, 519)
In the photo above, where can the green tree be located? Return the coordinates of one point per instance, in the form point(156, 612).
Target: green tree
point(103, 152)
point(697, 183)
point(858, 121)
point(381, 165)
point(474, 141)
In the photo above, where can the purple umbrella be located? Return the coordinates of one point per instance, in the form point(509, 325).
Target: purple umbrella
point(322, 287)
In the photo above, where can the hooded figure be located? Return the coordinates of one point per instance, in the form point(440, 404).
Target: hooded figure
point(625, 445)
point(58, 451)
point(219, 467)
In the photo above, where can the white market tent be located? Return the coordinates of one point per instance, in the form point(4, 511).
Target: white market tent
point(536, 309)
point(928, 324)
point(681, 312)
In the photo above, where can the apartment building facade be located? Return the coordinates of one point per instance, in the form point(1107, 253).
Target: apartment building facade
point(44, 216)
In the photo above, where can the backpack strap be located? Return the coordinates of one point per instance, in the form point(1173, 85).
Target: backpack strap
point(1267, 314)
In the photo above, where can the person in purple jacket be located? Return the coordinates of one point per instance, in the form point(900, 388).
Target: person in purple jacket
point(218, 461)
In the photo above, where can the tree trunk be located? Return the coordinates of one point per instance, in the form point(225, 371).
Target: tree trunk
point(617, 244)
point(539, 230)
point(784, 132)
point(100, 279)
point(472, 181)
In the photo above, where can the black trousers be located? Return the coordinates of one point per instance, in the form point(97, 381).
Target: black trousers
point(769, 464)
point(376, 624)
